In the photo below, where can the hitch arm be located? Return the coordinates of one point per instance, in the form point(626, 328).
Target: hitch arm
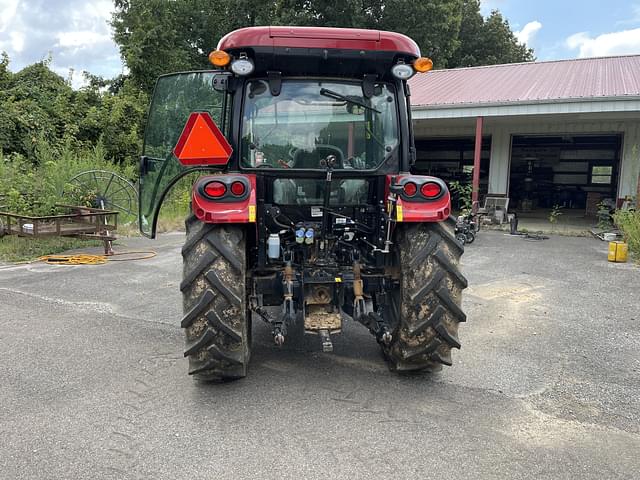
point(288, 307)
point(363, 310)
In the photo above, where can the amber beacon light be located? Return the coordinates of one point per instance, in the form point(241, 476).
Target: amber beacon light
point(423, 64)
point(219, 58)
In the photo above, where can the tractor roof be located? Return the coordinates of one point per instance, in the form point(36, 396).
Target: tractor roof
point(323, 51)
point(319, 37)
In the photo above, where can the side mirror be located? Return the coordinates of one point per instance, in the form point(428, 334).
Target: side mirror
point(144, 166)
point(147, 164)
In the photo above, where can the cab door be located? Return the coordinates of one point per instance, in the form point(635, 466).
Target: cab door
point(175, 98)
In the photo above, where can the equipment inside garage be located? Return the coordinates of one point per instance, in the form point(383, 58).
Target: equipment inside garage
point(451, 159)
point(572, 171)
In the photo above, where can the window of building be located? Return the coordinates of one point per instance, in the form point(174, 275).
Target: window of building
point(601, 174)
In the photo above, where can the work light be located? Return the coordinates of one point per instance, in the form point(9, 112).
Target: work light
point(401, 71)
point(242, 66)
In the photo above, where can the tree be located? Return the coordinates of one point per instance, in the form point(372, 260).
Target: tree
point(33, 104)
point(500, 44)
point(434, 25)
point(156, 36)
point(487, 41)
point(5, 73)
point(38, 107)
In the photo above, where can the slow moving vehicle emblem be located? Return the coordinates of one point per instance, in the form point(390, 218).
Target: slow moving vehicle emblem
point(202, 142)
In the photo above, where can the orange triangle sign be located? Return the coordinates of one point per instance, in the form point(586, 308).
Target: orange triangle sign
point(202, 142)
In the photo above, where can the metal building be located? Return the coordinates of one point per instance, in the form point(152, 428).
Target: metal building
point(545, 133)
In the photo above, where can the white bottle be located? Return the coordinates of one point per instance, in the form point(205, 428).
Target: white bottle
point(273, 246)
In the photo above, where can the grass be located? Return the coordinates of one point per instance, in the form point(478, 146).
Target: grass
point(25, 249)
point(177, 206)
point(629, 222)
point(35, 187)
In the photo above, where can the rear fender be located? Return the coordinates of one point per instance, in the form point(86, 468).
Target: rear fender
point(418, 208)
point(228, 208)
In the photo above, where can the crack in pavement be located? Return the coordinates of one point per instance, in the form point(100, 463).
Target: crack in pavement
point(97, 307)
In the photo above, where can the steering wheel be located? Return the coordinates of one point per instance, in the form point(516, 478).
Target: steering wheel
point(305, 159)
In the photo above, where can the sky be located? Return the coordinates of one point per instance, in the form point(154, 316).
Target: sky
point(75, 33)
point(77, 36)
point(559, 29)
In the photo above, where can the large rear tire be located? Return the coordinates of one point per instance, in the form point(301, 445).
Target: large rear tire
point(426, 308)
point(216, 320)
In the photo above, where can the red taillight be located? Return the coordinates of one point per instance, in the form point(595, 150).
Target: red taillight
point(410, 189)
point(238, 189)
point(430, 190)
point(215, 189)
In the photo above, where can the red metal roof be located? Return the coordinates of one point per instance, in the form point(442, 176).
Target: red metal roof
point(534, 82)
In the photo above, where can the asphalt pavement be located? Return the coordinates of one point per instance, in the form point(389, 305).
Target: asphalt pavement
point(93, 383)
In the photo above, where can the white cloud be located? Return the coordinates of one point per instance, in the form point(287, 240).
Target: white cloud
point(525, 35)
point(77, 79)
point(17, 41)
point(81, 38)
point(7, 12)
point(76, 33)
point(614, 43)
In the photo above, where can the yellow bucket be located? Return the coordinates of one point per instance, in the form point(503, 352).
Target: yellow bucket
point(617, 252)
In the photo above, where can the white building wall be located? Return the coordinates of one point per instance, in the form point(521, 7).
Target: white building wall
point(630, 165)
point(499, 163)
point(501, 144)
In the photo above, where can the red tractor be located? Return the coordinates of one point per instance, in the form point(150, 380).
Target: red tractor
point(310, 214)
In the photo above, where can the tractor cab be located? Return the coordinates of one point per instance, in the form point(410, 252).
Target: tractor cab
point(306, 212)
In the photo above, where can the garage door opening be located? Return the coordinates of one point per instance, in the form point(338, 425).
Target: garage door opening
point(575, 172)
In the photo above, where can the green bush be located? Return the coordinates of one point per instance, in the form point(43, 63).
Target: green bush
point(463, 191)
point(629, 222)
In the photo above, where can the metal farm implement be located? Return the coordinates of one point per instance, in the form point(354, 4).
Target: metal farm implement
point(81, 222)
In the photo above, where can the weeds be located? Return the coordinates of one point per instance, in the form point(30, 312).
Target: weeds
point(628, 221)
point(35, 188)
point(463, 191)
point(554, 214)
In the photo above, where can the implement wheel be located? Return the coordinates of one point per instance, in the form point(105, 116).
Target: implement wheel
point(216, 320)
point(425, 311)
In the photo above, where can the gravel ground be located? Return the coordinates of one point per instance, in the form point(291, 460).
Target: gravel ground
point(546, 385)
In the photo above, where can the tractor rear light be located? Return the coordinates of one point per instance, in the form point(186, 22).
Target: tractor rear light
point(243, 66)
point(402, 71)
point(410, 189)
point(215, 189)
point(238, 188)
point(430, 190)
point(219, 58)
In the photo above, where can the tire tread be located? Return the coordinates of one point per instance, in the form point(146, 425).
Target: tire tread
point(216, 320)
point(427, 311)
